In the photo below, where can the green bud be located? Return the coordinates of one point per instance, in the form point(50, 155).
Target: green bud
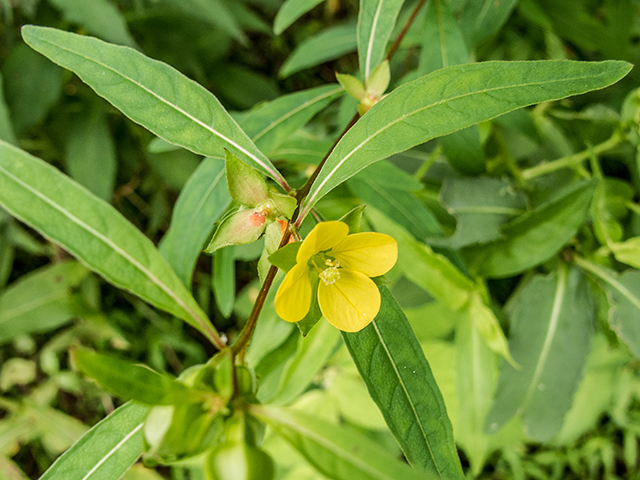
point(246, 185)
point(240, 228)
point(352, 86)
point(239, 461)
point(284, 204)
point(378, 80)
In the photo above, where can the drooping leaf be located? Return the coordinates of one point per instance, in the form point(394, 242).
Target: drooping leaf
point(94, 232)
point(91, 153)
point(376, 20)
point(40, 301)
point(327, 45)
point(340, 453)
point(129, 381)
point(533, 237)
point(106, 451)
point(99, 17)
point(152, 94)
point(290, 11)
point(390, 360)
point(451, 99)
point(201, 203)
point(550, 337)
point(270, 124)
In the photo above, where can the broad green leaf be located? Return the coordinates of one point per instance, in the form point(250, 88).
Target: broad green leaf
point(201, 203)
point(339, 452)
point(137, 382)
point(6, 129)
point(91, 153)
point(390, 360)
point(94, 232)
point(106, 451)
point(223, 280)
point(533, 237)
point(270, 124)
point(327, 45)
point(32, 85)
point(481, 206)
point(290, 11)
point(313, 351)
point(40, 301)
point(376, 20)
point(430, 271)
point(550, 337)
point(481, 19)
point(624, 296)
point(451, 99)
point(99, 17)
point(151, 93)
point(476, 375)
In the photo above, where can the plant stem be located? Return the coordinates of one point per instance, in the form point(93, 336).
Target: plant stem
point(573, 160)
point(405, 28)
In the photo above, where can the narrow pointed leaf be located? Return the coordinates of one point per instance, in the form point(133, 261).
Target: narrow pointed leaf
point(533, 237)
point(376, 20)
point(550, 338)
point(392, 364)
point(481, 19)
point(94, 232)
point(338, 452)
point(151, 93)
point(443, 42)
point(106, 451)
point(201, 203)
point(290, 11)
point(451, 99)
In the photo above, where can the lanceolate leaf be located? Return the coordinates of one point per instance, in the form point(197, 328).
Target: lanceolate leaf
point(106, 451)
point(550, 338)
point(290, 11)
point(201, 203)
point(450, 99)
point(390, 360)
point(376, 20)
point(151, 93)
point(94, 232)
point(338, 452)
point(533, 237)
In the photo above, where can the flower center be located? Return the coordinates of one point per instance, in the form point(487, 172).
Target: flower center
point(330, 275)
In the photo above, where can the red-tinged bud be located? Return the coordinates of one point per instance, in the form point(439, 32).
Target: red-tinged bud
point(257, 218)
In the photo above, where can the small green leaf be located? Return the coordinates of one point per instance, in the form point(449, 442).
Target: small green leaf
point(338, 452)
point(488, 326)
point(352, 86)
point(379, 79)
point(392, 364)
point(285, 257)
point(129, 381)
point(239, 228)
point(353, 218)
point(290, 11)
point(628, 251)
point(223, 280)
point(284, 204)
point(246, 186)
point(106, 451)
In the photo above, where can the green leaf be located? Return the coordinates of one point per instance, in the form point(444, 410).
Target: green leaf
point(106, 451)
point(451, 99)
point(94, 232)
point(246, 185)
point(376, 20)
point(40, 301)
point(290, 11)
point(300, 370)
point(430, 271)
point(327, 45)
point(481, 19)
point(285, 258)
point(99, 17)
point(201, 203)
point(151, 93)
point(223, 280)
point(443, 41)
point(464, 150)
point(533, 237)
point(270, 124)
point(628, 251)
point(481, 206)
point(32, 86)
point(338, 452)
point(137, 382)
point(550, 338)
point(90, 153)
point(390, 360)
point(6, 129)
point(624, 297)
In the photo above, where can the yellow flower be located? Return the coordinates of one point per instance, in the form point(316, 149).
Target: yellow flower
point(347, 296)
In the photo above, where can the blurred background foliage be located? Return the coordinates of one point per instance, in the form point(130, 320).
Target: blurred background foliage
point(251, 51)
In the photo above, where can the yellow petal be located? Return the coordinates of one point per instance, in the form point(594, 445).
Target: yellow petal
point(351, 302)
point(323, 236)
point(371, 253)
point(293, 298)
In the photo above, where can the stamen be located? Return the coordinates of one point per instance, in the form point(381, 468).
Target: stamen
point(330, 275)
